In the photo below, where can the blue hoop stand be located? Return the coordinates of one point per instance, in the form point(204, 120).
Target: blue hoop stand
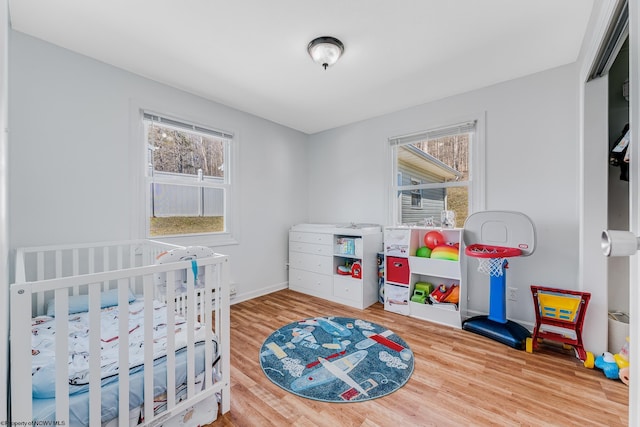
point(495, 325)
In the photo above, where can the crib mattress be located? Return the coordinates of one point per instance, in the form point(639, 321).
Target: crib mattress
point(43, 360)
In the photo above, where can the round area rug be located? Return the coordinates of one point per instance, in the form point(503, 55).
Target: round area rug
point(336, 359)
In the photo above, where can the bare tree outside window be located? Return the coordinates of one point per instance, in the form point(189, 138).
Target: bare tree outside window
point(453, 151)
point(181, 152)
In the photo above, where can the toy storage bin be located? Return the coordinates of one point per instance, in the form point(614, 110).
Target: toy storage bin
point(618, 331)
point(396, 298)
point(396, 241)
point(398, 270)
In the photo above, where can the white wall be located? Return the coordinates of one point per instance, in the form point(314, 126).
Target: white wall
point(70, 152)
point(532, 165)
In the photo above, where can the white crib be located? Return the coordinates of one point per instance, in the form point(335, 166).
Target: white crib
point(62, 294)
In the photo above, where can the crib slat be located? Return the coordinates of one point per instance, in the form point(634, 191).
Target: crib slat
point(40, 265)
point(147, 255)
point(119, 258)
point(95, 397)
point(190, 316)
point(40, 276)
point(147, 286)
point(132, 256)
point(91, 261)
point(75, 268)
point(58, 263)
point(20, 348)
point(40, 303)
point(105, 259)
point(123, 352)
point(171, 340)
point(207, 310)
point(62, 351)
point(75, 263)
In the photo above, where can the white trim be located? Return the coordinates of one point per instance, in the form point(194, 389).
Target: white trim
point(4, 217)
point(479, 166)
point(634, 214)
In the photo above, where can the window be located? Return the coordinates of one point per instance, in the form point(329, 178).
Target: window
point(188, 178)
point(433, 171)
point(416, 195)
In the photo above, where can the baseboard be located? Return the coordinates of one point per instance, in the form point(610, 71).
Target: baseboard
point(245, 296)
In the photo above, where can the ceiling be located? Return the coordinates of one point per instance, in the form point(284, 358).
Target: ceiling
point(251, 54)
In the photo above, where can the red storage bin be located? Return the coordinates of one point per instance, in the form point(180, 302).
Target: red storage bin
point(398, 270)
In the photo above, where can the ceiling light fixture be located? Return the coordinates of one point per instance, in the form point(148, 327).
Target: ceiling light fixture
point(325, 50)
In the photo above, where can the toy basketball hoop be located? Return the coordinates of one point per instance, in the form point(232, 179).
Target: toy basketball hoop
point(491, 259)
point(491, 237)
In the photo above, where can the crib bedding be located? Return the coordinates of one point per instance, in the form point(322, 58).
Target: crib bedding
point(44, 409)
point(43, 359)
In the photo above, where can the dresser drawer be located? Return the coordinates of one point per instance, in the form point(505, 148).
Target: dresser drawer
point(310, 248)
point(311, 262)
point(316, 284)
point(347, 288)
point(317, 238)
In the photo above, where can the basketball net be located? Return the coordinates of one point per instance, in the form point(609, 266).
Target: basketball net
point(491, 266)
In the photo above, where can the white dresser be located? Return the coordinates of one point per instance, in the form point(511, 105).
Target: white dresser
point(320, 256)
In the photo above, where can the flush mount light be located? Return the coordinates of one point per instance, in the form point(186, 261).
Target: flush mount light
point(325, 50)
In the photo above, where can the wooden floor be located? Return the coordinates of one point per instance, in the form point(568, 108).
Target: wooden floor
point(459, 379)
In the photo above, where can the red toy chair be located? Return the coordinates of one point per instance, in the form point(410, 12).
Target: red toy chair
point(559, 317)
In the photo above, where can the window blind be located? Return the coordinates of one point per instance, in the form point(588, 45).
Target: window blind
point(166, 121)
point(456, 129)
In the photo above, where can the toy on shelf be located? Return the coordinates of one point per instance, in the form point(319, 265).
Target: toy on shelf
point(425, 286)
point(442, 294)
point(421, 292)
point(433, 238)
point(423, 252)
point(356, 270)
point(445, 252)
point(344, 270)
point(559, 317)
point(419, 296)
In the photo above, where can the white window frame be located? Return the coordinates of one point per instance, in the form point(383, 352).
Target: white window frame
point(140, 200)
point(475, 184)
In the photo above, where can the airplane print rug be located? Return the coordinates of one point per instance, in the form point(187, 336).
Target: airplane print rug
point(336, 359)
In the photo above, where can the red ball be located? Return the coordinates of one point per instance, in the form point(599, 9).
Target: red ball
point(433, 239)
